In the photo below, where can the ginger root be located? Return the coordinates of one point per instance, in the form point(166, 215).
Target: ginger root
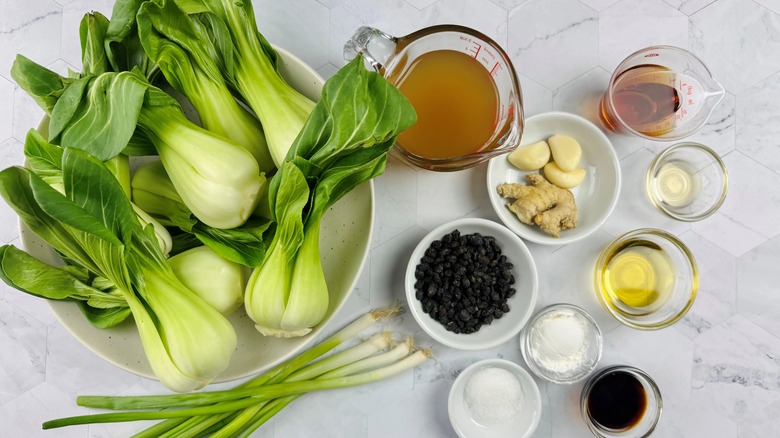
point(541, 203)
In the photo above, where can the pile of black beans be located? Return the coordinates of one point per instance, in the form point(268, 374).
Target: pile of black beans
point(463, 281)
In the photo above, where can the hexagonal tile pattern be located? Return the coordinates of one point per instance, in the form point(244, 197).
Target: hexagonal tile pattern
point(65, 353)
point(696, 420)
point(467, 185)
point(564, 27)
point(327, 70)
point(6, 108)
point(482, 15)
point(536, 98)
point(689, 7)
point(421, 4)
point(714, 33)
point(582, 95)
point(757, 278)
point(26, 338)
point(509, 4)
point(27, 114)
point(717, 367)
point(388, 270)
point(331, 3)
point(633, 206)
point(11, 153)
point(62, 68)
point(395, 17)
point(32, 30)
point(774, 5)
point(757, 133)
point(600, 5)
point(630, 25)
point(716, 300)
point(275, 19)
point(395, 202)
point(735, 373)
point(573, 283)
point(72, 14)
point(43, 402)
point(749, 205)
point(719, 133)
point(669, 363)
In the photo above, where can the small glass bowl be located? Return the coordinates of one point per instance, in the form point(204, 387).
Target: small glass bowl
point(646, 424)
point(667, 309)
point(591, 356)
point(687, 181)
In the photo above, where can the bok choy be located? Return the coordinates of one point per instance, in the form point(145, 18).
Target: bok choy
point(343, 144)
point(93, 226)
point(218, 180)
point(251, 66)
point(171, 39)
point(153, 191)
point(219, 282)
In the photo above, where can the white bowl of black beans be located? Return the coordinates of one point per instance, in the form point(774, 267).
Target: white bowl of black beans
point(471, 284)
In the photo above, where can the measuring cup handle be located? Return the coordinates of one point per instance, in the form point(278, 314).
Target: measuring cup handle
point(375, 46)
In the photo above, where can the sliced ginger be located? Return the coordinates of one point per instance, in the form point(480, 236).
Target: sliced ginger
point(541, 203)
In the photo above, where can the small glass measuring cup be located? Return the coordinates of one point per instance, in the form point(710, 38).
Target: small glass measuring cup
point(395, 57)
point(660, 93)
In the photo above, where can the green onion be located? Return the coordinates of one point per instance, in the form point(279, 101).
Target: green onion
point(241, 410)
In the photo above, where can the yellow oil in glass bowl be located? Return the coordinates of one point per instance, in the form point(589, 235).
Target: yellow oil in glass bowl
point(647, 279)
point(639, 277)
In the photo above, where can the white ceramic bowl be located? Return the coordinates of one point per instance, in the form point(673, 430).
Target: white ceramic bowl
point(523, 426)
point(345, 240)
point(595, 197)
point(521, 304)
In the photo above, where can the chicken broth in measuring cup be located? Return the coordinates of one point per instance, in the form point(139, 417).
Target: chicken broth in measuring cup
point(462, 86)
point(456, 103)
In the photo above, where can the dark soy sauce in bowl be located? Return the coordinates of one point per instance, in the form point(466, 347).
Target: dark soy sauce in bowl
point(617, 401)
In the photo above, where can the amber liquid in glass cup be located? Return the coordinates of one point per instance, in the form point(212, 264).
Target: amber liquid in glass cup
point(660, 93)
point(462, 86)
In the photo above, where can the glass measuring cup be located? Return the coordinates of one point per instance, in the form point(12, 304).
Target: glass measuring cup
point(660, 93)
point(494, 132)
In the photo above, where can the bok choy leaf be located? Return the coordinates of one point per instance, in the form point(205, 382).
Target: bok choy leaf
point(343, 144)
point(93, 226)
point(218, 180)
point(171, 39)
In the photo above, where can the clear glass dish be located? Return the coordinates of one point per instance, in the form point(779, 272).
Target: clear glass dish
point(649, 419)
point(590, 357)
point(687, 182)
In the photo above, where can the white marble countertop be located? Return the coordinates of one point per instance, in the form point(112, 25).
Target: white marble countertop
point(718, 369)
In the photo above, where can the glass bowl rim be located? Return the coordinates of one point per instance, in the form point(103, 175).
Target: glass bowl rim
point(661, 157)
point(636, 372)
point(677, 243)
point(526, 348)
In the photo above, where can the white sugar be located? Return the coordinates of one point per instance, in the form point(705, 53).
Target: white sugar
point(494, 396)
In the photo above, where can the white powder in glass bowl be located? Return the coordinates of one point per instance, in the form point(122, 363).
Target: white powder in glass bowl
point(562, 344)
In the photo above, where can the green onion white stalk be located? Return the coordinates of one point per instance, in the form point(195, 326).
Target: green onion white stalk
point(239, 411)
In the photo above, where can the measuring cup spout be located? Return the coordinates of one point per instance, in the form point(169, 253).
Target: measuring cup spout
point(375, 46)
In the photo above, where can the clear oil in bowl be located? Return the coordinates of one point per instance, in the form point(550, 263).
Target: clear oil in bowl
point(638, 277)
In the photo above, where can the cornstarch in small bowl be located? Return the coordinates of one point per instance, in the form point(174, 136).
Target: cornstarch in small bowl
point(561, 344)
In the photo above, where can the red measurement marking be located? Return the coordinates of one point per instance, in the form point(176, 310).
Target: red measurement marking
point(478, 47)
point(651, 55)
point(690, 101)
point(495, 68)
